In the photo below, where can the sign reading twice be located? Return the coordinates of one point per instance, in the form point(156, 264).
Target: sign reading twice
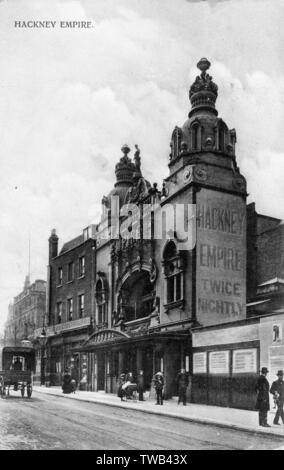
point(221, 257)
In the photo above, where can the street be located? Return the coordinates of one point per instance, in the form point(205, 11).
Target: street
point(47, 422)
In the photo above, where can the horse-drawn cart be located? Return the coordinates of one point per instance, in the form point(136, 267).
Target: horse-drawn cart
point(17, 371)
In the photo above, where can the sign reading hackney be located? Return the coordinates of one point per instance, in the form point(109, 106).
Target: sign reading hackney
point(221, 257)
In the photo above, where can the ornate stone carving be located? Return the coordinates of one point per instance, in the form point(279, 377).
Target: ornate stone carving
point(153, 272)
point(137, 159)
point(200, 173)
point(204, 81)
point(239, 183)
point(187, 175)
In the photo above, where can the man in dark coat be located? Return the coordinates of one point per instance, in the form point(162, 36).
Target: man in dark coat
point(67, 386)
point(18, 364)
point(121, 382)
point(159, 385)
point(277, 390)
point(262, 402)
point(140, 385)
point(182, 383)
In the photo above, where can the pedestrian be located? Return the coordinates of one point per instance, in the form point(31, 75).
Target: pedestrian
point(121, 382)
point(129, 377)
point(67, 385)
point(73, 385)
point(159, 386)
point(277, 390)
point(18, 365)
point(182, 383)
point(262, 402)
point(140, 385)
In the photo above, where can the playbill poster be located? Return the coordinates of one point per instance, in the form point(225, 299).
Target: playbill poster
point(142, 236)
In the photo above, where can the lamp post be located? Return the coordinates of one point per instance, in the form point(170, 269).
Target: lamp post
point(42, 341)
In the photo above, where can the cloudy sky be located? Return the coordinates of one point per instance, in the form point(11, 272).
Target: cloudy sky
point(69, 99)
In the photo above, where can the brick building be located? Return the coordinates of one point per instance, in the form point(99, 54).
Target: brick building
point(69, 306)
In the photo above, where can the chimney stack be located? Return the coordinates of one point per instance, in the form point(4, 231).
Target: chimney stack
point(53, 244)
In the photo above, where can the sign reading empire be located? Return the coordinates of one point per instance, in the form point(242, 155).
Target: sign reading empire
point(221, 257)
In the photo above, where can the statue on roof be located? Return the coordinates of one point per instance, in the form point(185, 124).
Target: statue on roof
point(137, 159)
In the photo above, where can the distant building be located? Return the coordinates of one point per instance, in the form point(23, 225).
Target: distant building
point(26, 313)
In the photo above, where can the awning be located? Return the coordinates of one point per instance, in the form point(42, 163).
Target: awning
point(109, 338)
point(17, 350)
point(275, 280)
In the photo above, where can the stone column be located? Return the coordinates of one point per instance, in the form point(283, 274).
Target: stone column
point(139, 360)
point(121, 362)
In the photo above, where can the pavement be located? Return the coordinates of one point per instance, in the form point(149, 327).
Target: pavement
point(242, 420)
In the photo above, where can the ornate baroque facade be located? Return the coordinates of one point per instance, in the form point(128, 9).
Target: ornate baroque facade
point(155, 297)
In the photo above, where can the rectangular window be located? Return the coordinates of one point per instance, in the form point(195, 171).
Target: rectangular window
point(60, 276)
point(70, 276)
point(81, 304)
point(70, 309)
point(170, 289)
point(178, 286)
point(100, 314)
point(174, 287)
point(59, 312)
point(82, 266)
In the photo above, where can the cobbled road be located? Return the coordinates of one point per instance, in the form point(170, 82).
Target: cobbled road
point(56, 423)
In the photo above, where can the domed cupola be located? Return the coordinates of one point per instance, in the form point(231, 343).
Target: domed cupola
point(124, 169)
point(203, 131)
point(130, 185)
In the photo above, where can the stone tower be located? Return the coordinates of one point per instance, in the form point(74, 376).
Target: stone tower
point(204, 172)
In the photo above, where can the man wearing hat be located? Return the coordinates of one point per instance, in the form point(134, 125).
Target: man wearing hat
point(159, 385)
point(262, 402)
point(277, 390)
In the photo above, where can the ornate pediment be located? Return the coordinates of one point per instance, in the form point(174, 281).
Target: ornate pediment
point(103, 337)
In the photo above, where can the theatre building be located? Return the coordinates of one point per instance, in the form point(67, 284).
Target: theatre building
point(151, 291)
point(177, 272)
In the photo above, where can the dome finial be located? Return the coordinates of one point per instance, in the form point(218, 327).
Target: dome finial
point(125, 150)
point(203, 64)
point(203, 92)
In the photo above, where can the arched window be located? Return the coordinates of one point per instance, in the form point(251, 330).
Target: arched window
point(176, 142)
point(195, 136)
point(173, 271)
point(221, 136)
point(136, 296)
point(101, 299)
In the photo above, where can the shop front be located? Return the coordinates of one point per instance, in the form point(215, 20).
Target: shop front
point(226, 363)
point(60, 357)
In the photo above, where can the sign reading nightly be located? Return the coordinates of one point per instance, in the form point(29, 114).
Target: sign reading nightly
point(221, 257)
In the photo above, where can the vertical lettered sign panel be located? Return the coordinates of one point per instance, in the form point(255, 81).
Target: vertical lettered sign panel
point(221, 257)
